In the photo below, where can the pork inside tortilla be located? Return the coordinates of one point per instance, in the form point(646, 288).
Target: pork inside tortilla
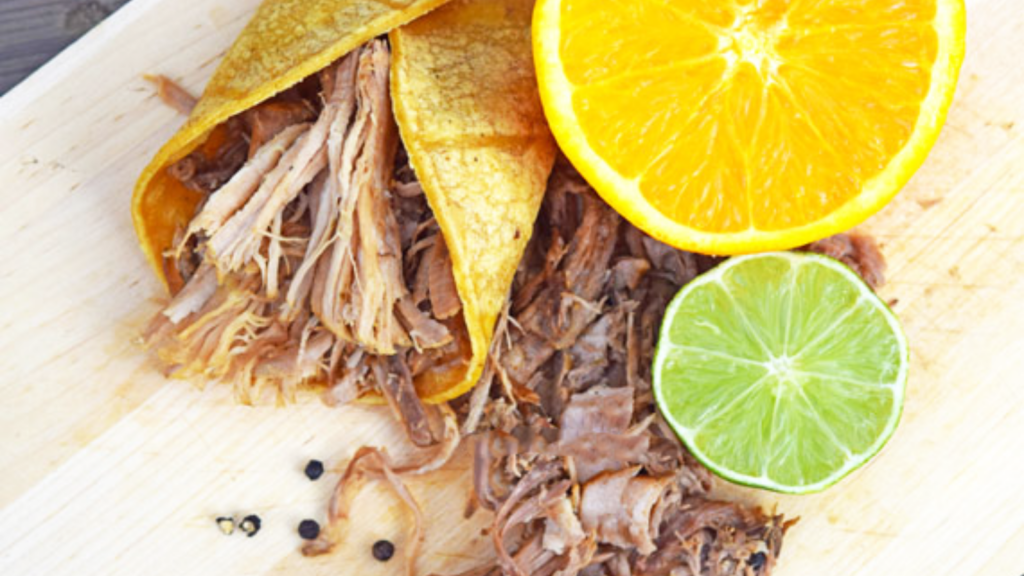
point(313, 257)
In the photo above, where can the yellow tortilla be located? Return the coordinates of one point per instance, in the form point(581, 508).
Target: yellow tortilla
point(466, 102)
point(467, 107)
point(285, 42)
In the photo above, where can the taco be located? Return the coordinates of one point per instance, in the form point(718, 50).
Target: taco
point(309, 236)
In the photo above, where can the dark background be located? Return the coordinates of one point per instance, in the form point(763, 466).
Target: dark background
point(33, 31)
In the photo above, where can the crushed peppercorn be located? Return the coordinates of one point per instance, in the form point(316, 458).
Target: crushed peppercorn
point(383, 550)
point(309, 529)
point(314, 469)
point(250, 525)
point(226, 525)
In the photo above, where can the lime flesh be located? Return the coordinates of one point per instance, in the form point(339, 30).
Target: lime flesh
point(782, 371)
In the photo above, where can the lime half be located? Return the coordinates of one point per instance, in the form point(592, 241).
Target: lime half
point(781, 371)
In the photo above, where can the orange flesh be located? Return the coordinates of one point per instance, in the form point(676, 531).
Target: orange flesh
point(738, 115)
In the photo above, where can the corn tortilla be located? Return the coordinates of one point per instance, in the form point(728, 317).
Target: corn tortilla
point(467, 107)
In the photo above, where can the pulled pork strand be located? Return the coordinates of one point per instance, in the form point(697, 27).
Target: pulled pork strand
point(374, 464)
point(859, 252)
point(172, 94)
point(367, 464)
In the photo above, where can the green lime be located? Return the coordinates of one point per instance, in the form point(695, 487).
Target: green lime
point(781, 371)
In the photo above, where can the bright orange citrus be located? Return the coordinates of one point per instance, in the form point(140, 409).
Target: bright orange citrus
point(732, 126)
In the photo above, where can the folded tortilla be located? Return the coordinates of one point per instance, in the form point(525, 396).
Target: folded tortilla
point(468, 113)
point(467, 106)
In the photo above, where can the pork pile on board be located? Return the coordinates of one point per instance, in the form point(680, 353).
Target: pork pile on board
point(348, 282)
point(581, 473)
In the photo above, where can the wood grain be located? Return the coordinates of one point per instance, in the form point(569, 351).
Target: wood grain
point(109, 469)
point(32, 31)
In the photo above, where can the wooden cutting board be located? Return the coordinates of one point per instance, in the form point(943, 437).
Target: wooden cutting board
point(108, 468)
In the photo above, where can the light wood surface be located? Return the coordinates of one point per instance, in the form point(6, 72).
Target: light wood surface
point(107, 468)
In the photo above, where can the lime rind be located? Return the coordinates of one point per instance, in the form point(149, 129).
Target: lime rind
point(774, 458)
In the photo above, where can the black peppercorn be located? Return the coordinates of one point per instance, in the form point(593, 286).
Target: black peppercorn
point(309, 529)
point(383, 550)
point(757, 561)
point(314, 469)
point(250, 525)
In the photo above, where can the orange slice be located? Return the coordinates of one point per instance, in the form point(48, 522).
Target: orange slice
point(730, 127)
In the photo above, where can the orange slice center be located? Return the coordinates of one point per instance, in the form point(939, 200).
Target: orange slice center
point(743, 115)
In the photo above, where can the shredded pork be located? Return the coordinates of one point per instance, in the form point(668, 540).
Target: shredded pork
point(584, 476)
point(315, 258)
point(859, 252)
point(172, 94)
